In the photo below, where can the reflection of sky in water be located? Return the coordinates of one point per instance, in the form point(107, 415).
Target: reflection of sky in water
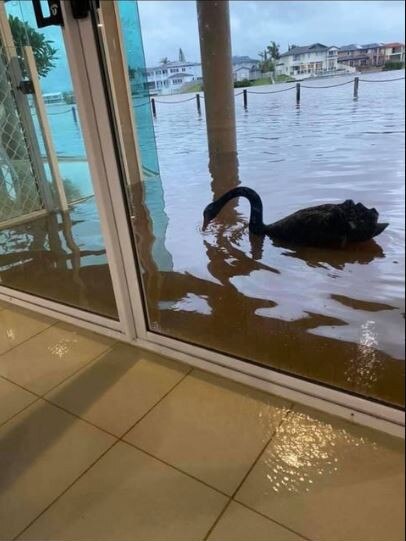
point(304, 451)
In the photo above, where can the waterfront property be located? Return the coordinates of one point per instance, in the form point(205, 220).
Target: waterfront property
point(370, 55)
point(170, 77)
point(310, 61)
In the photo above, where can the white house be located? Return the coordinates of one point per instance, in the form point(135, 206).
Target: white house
point(310, 61)
point(245, 67)
point(170, 77)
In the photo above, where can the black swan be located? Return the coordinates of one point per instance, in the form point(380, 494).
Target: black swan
point(325, 225)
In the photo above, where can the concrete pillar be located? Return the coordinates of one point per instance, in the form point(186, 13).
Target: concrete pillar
point(215, 49)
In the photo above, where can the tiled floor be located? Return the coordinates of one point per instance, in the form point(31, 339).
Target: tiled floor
point(104, 441)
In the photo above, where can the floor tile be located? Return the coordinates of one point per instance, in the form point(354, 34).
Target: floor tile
point(12, 399)
point(241, 524)
point(330, 480)
point(118, 388)
point(42, 451)
point(52, 356)
point(211, 428)
point(129, 495)
point(17, 325)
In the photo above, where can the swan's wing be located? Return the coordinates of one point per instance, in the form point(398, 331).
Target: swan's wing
point(362, 221)
point(321, 225)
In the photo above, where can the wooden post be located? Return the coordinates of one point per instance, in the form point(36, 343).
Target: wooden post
point(199, 110)
point(297, 93)
point(153, 107)
point(245, 96)
point(218, 81)
point(356, 84)
point(75, 120)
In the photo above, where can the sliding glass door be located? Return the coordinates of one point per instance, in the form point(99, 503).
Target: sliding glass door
point(51, 244)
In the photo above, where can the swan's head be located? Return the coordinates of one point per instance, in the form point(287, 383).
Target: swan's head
point(209, 213)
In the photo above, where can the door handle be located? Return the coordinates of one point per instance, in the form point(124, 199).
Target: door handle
point(55, 17)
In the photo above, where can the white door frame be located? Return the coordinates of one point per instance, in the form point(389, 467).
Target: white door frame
point(101, 144)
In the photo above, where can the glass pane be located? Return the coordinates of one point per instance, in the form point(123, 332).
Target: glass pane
point(44, 251)
point(332, 314)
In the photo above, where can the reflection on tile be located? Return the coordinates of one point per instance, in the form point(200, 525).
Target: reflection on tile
point(52, 356)
point(16, 325)
point(241, 524)
point(211, 428)
point(42, 451)
point(119, 387)
point(12, 399)
point(129, 495)
point(328, 479)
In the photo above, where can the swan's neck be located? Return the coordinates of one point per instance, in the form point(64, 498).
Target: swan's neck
point(256, 224)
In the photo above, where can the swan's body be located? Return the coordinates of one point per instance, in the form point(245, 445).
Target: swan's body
point(323, 225)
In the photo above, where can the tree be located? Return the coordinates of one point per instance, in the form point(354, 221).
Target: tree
point(273, 50)
point(265, 64)
point(164, 61)
point(44, 53)
point(181, 56)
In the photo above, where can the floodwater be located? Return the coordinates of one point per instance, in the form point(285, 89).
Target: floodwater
point(327, 315)
point(331, 316)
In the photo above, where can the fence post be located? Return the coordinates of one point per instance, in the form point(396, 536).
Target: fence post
point(356, 84)
point(245, 96)
point(75, 120)
point(153, 107)
point(297, 93)
point(199, 110)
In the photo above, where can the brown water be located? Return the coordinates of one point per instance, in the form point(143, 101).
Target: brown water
point(330, 316)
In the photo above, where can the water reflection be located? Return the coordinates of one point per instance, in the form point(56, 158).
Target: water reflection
point(305, 451)
point(59, 256)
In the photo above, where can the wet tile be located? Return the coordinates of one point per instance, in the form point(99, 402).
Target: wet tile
point(12, 399)
point(328, 479)
point(240, 524)
point(17, 325)
point(42, 451)
point(211, 428)
point(118, 388)
point(52, 356)
point(129, 495)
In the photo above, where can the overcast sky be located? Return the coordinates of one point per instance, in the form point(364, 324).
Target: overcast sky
point(170, 24)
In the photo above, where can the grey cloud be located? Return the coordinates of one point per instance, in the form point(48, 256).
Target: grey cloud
point(168, 25)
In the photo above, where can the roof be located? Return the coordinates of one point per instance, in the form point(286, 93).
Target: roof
point(243, 60)
point(181, 74)
point(306, 49)
point(174, 64)
point(355, 47)
point(395, 44)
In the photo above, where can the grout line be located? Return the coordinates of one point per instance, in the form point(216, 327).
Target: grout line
point(273, 520)
point(65, 490)
point(27, 339)
point(176, 468)
point(20, 386)
point(87, 363)
point(284, 417)
point(36, 399)
point(156, 403)
point(217, 519)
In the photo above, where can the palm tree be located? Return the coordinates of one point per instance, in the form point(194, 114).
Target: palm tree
point(273, 50)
